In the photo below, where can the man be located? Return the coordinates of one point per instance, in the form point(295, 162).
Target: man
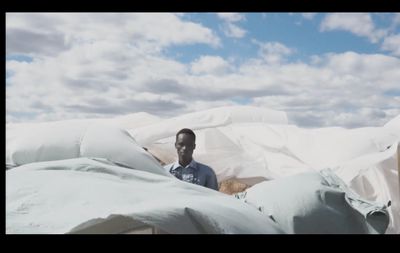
point(186, 168)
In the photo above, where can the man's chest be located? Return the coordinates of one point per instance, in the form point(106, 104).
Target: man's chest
point(189, 175)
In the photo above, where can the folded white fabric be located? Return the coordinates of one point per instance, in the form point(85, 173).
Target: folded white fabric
point(312, 202)
point(80, 195)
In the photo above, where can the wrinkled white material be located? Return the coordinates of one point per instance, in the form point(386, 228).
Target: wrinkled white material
point(206, 119)
point(273, 151)
point(62, 196)
point(254, 144)
point(320, 203)
point(252, 151)
point(376, 177)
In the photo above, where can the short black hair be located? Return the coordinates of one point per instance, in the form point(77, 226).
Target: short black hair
point(186, 131)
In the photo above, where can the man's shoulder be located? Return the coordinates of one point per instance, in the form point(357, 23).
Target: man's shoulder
point(204, 167)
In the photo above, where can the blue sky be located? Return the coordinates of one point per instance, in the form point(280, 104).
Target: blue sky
point(322, 69)
point(291, 29)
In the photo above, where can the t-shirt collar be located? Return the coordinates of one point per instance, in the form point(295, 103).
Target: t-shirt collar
point(192, 164)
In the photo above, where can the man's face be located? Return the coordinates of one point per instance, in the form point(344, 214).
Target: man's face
point(184, 146)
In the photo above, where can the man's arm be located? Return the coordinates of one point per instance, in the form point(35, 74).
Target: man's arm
point(212, 181)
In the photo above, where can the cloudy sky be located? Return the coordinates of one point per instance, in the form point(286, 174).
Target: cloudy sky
point(322, 69)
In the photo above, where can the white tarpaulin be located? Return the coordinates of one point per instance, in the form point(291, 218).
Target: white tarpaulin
point(253, 149)
point(316, 203)
point(67, 196)
point(250, 144)
point(85, 195)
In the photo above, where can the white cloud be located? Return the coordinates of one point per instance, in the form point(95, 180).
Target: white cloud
point(100, 76)
point(360, 24)
point(234, 31)
point(81, 56)
point(231, 17)
point(65, 84)
point(348, 89)
point(392, 44)
point(396, 19)
point(231, 29)
point(308, 15)
point(210, 65)
point(32, 33)
point(273, 52)
point(360, 64)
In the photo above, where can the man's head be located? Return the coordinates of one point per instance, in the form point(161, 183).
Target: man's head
point(185, 144)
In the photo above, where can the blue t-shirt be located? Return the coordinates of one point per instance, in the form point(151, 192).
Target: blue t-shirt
point(195, 173)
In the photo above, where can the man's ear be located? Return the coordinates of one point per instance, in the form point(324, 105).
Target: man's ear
point(194, 146)
point(175, 145)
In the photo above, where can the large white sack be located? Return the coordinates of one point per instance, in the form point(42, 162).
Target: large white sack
point(251, 151)
point(65, 140)
point(375, 177)
point(206, 119)
point(118, 146)
point(254, 149)
point(394, 124)
point(129, 121)
point(320, 203)
point(44, 142)
point(327, 147)
point(70, 195)
point(288, 149)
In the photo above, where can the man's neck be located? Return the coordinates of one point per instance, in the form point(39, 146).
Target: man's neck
point(185, 163)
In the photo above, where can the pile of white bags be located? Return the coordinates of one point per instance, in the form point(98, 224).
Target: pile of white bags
point(246, 143)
